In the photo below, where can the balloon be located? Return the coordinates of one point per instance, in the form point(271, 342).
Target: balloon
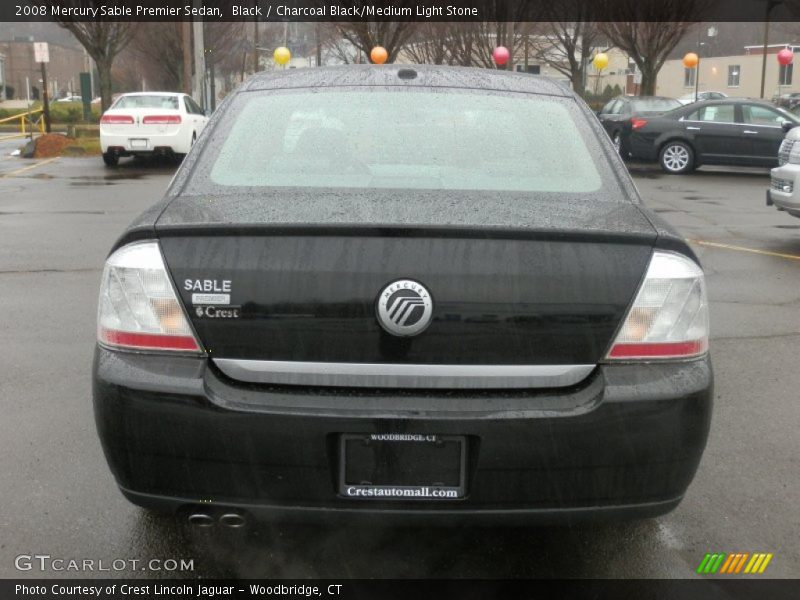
point(785, 57)
point(501, 55)
point(282, 55)
point(691, 60)
point(379, 55)
point(600, 61)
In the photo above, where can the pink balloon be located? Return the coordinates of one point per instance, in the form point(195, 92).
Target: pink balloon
point(785, 56)
point(501, 55)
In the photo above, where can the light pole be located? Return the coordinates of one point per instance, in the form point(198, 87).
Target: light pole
point(692, 61)
point(770, 5)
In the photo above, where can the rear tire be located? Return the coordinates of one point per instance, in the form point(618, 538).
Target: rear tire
point(677, 158)
point(111, 159)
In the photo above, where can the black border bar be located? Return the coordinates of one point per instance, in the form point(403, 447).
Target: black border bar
point(400, 10)
point(388, 589)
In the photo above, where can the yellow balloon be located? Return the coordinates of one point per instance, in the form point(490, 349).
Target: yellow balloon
point(600, 61)
point(282, 55)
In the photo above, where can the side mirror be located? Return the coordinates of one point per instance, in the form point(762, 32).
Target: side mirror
point(788, 126)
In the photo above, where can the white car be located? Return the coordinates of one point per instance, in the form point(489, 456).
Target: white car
point(689, 98)
point(784, 192)
point(150, 123)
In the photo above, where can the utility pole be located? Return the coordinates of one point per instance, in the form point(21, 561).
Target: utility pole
point(319, 43)
point(770, 5)
point(199, 63)
point(41, 54)
point(186, 51)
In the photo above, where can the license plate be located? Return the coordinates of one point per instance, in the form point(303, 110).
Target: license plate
point(400, 466)
point(138, 143)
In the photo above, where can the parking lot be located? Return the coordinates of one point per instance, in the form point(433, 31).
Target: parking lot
point(59, 217)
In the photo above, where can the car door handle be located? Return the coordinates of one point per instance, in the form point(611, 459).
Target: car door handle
point(748, 132)
point(693, 128)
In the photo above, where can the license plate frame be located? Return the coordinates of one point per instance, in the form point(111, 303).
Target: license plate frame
point(139, 143)
point(391, 453)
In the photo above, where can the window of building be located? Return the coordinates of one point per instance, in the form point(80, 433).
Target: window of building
point(785, 75)
point(734, 75)
point(688, 77)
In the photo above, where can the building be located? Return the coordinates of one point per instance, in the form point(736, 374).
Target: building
point(22, 73)
point(738, 75)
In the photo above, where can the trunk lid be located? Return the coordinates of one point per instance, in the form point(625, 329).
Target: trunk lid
point(513, 282)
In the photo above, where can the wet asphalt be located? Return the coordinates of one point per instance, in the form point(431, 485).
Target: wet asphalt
point(57, 497)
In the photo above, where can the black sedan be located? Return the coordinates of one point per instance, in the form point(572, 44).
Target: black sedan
point(395, 292)
point(735, 132)
point(621, 115)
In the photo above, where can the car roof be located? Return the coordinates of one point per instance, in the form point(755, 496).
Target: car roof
point(151, 94)
point(632, 98)
point(733, 101)
point(406, 76)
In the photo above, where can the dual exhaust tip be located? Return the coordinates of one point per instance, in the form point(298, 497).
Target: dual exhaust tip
point(203, 520)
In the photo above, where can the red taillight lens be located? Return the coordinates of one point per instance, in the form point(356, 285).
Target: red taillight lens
point(638, 123)
point(662, 350)
point(116, 120)
point(147, 341)
point(162, 120)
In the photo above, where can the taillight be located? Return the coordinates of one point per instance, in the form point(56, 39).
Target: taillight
point(162, 120)
point(638, 123)
point(669, 317)
point(116, 120)
point(138, 306)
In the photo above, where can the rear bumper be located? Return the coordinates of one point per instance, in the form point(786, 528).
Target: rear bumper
point(178, 142)
point(643, 146)
point(624, 443)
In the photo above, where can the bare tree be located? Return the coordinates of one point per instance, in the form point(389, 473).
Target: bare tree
point(103, 41)
point(365, 35)
point(648, 30)
point(565, 45)
point(431, 43)
point(226, 48)
point(159, 50)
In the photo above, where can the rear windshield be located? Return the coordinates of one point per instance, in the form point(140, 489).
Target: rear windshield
point(148, 101)
point(654, 105)
point(409, 139)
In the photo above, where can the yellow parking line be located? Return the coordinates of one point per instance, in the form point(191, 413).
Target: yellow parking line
point(743, 249)
point(29, 167)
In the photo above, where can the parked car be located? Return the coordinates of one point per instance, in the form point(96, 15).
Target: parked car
point(784, 192)
point(147, 123)
point(620, 115)
point(737, 132)
point(439, 298)
point(701, 96)
point(71, 98)
point(787, 101)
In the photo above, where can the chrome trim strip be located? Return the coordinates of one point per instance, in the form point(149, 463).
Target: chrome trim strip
point(403, 375)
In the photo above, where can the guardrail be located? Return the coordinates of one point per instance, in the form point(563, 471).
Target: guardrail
point(27, 124)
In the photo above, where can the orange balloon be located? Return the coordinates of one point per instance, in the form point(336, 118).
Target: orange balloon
point(691, 60)
point(379, 55)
